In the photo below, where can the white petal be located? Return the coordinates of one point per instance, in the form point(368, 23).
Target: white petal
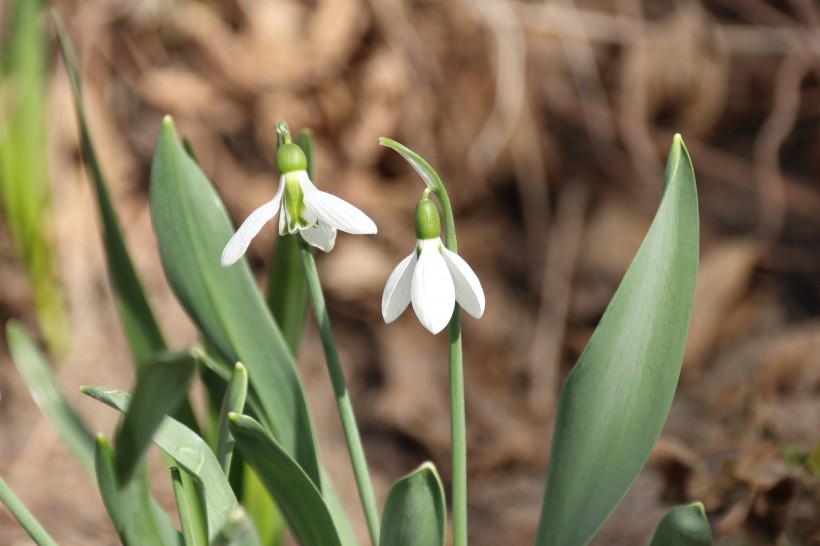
point(396, 296)
point(469, 294)
point(432, 292)
point(334, 211)
point(238, 244)
point(322, 236)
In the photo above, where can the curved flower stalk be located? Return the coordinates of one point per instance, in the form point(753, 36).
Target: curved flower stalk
point(432, 277)
point(314, 214)
point(458, 424)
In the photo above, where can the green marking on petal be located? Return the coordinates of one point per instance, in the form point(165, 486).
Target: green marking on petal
point(295, 204)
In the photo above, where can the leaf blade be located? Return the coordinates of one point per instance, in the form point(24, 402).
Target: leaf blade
point(297, 497)
point(26, 519)
point(141, 329)
point(191, 453)
point(683, 526)
point(615, 402)
point(43, 387)
point(414, 512)
point(162, 384)
point(191, 226)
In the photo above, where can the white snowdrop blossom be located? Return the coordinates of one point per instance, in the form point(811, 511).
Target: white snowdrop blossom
point(432, 277)
point(302, 208)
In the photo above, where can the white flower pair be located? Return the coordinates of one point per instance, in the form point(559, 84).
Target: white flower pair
point(433, 278)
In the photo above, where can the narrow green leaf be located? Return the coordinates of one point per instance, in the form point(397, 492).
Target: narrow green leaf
point(141, 329)
point(233, 402)
point(683, 526)
point(191, 453)
point(47, 394)
point(162, 383)
point(616, 400)
point(415, 513)
point(192, 227)
point(193, 527)
point(298, 498)
point(24, 181)
point(136, 518)
point(27, 520)
point(261, 508)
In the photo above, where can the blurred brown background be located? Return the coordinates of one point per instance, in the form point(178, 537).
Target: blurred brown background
point(549, 122)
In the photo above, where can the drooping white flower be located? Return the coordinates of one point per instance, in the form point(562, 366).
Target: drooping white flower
point(314, 214)
point(432, 277)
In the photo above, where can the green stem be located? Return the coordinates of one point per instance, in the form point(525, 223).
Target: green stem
point(26, 519)
point(458, 424)
point(458, 428)
point(346, 415)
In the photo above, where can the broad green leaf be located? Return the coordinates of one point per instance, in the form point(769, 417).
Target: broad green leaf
point(232, 402)
point(141, 329)
point(27, 520)
point(194, 528)
point(24, 181)
point(191, 453)
point(415, 512)
point(136, 518)
point(161, 385)
point(192, 227)
point(298, 498)
point(47, 394)
point(616, 399)
point(683, 526)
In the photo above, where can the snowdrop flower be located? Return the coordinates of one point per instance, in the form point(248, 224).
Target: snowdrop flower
point(433, 278)
point(315, 214)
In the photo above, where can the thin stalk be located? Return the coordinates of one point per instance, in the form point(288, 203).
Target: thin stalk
point(457, 414)
point(458, 428)
point(346, 415)
point(458, 424)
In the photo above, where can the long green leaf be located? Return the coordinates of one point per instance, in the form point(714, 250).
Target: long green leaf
point(615, 402)
point(192, 226)
point(194, 528)
point(141, 329)
point(191, 453)
point(415, 513)
point(39, 535)
point(47, 394)
point(683, 526)
point(136, 518)
point(24, 183)
point(297, 496)
point(161, 384)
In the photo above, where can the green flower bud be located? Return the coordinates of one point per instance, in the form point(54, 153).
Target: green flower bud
point(289, 158)
point(428, 225)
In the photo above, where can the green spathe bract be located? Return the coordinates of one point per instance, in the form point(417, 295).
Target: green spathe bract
point(615, 402)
